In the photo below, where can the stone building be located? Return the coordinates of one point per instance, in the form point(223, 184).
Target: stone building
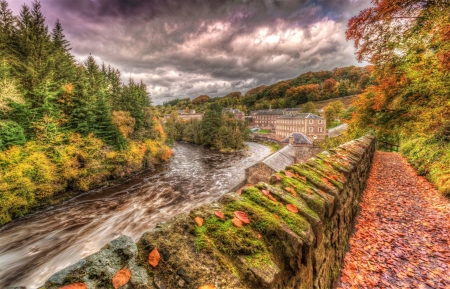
point(266, 118)
point(313, 126)
point(186, 115)
point(239, 115)
point(302, 147)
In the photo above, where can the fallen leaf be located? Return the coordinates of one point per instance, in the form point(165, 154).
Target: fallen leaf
point(272, 198)
point(237, 222)
point(219, 215)
point(121, 278)
point(278, 178)
point(199, 221)
point(242, 216)
point(291, 190)
point(292, 208)
point(209, 286)
point(154, 257)
point(265, 192)
point(259, 236)
point(288, 174)
point(75, 286)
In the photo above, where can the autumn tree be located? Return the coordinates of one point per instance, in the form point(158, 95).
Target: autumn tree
point(408, 42)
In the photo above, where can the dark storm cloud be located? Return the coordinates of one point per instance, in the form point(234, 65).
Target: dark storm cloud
point(190, 47)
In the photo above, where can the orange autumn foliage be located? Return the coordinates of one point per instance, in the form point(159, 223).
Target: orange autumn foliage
point(154, 258)
point(199, 221)
point(121, 278)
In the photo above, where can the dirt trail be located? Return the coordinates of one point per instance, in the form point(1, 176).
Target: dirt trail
point(402, 237)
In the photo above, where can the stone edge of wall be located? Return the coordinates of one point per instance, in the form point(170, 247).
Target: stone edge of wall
point(277, 249)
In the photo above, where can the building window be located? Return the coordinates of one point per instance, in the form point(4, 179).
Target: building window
point(320, 121)
point(320, 129)
point(311, 121)
point(310, 129)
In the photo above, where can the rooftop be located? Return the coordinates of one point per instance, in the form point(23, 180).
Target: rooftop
point(301, 115)
point(299, 138)
point(280, 159)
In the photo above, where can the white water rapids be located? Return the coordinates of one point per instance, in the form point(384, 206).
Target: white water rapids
point(37, 246)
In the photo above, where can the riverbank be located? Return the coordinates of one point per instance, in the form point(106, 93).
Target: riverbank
point(69, 231)
point(38, 175)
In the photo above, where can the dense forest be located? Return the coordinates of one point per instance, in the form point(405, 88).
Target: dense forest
point(65, 125)
point(217, 130)
point(308, 87)
point(408, 42)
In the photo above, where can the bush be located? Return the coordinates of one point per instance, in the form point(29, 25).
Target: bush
point(11, 133)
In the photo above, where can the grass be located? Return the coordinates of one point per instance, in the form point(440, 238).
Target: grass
point(333, 124)
point(273, 146)
point(263, 131)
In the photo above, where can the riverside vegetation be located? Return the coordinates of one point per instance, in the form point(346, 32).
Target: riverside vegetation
point(65, 125)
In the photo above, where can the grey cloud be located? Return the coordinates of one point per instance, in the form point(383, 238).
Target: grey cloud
point(191, 47)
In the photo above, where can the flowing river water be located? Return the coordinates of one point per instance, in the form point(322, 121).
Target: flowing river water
point(37, 246)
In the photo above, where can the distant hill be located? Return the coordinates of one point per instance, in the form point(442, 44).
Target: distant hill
point(311, 86)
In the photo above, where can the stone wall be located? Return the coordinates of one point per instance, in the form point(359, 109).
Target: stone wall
point(304, 153)
point(259, 172)
point(296, 235)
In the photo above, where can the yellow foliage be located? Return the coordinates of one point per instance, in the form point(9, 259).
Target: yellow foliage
point(34, 172)
point(124, 121)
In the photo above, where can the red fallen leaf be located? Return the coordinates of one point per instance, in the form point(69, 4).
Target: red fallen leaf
point(259, 236)
point(242, 216)
point(288, 174)
point(219, 215)
point(265, 192)
point(276, 216)
point(308, 191)
point(326, 181)
point(272, 198)
point(291, 190)
point(239, 192)
point(292, 208)
point(199, 221)
point(75, 286)
point(209, 286)
point(237, 222)
point(121, 278)
point(278, 178)
point(154, 257)
point(300, 177)
point(335, 177)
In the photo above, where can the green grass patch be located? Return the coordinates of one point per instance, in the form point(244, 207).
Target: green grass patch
point(263, 131)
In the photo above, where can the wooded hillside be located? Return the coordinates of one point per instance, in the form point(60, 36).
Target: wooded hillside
point(64, 125)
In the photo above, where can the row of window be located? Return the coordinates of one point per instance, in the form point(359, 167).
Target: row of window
point(292, 129)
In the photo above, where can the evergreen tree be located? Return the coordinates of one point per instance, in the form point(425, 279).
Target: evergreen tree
point(103, 126)
point(211, 123)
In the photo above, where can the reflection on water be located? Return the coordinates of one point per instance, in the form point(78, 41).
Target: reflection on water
point(34, 248)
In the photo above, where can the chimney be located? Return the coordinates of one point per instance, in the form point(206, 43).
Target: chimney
point(291, 139)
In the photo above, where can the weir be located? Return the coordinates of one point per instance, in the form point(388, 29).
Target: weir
point(297, 235)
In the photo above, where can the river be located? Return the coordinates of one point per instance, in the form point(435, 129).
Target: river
point(35, 247)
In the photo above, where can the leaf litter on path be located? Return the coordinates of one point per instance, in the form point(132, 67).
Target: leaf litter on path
point(402, 237)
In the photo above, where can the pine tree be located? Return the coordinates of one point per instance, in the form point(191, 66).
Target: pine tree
point(63, 61)
point(103, 126)
point(211, 123)
point(7, 28)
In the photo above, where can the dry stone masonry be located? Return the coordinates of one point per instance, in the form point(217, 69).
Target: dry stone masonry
point(298, 231)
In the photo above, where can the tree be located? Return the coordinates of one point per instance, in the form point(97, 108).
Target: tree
point(329, 87)
point(330, 114)
point(338, 107)
point(11, 134)
point(211, 123)
point(309, 107)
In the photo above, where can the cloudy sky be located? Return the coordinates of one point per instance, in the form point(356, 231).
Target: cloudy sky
point(184, 48)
